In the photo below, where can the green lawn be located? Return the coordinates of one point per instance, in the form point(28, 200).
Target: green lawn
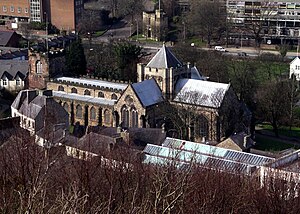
point(98, 33)
point(265, 144)
point(285, 131)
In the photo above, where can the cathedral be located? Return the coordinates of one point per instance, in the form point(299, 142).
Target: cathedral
point(168, 94)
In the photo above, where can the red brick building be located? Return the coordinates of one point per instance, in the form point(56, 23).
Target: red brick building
point(19, 9)
point(64, 14)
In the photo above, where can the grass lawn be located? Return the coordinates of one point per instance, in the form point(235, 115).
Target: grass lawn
point(285, 131)
point(98, 33)
point(266, 144)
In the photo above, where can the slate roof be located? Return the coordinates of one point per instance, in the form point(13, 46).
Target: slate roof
point(30, 104)
point(94, 82)
point(294, 60)
point(195, 74)
point(199, 92)
point(5, 37)
point(164, 58)
point(83, 98)
point(148, 92)
point(186, 152)
point(12, 68)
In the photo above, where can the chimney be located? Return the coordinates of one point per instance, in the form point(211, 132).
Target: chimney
point(31, 94)
point(245, 141)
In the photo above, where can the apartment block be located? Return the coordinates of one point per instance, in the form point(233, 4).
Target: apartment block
point(64, 14)
point(279, 20)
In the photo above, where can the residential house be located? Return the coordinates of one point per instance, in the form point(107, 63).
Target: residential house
point(39, 113)
point(9, 39)
point(13, 74)
point(295, 68)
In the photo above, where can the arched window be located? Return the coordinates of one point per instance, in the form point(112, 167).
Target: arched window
point(106, 116)
point(114, 97)
point(66, 107)
point(93, 114)
point(203, 126)
point(134, 118)
point(39, 67)
point(125, 116)
point(100, 94)
point(87, 92)
point(61, 88)
point(74, 90)
point(78, 111)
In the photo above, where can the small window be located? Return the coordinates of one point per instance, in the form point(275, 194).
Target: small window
point(19, 9)
point(61, 88)
point(39, 67)
point(100, 94)
point(74, 90)
point(4, 8)
point(5, 82)
point(87, 92)
point(114, 97)
point(18, 82)
point(26, 10)
point(12, 9)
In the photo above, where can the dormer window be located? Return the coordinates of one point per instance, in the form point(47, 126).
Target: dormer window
point(18, 82)
point(39, 67)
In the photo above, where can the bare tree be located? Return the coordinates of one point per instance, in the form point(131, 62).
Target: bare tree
point(206, 19)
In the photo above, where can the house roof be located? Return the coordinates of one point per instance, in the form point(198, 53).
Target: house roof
point(5, 36)
point(13, 68)
point(294, 60)
point(186, 152)
point(30, 104)
point(94, 82)
point(239, 141)
point(164, 58)
point(199, 92)
point(195, 74)
point(148, 92)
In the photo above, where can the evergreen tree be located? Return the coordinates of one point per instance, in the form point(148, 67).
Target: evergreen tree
point(75, 59)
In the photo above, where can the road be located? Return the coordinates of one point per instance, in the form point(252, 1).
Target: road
point(124, 29)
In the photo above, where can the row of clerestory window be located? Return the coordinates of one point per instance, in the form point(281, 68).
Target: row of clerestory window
point(87, 92)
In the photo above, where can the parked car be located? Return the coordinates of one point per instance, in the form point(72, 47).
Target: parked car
point(220, 48)
point(242, 54)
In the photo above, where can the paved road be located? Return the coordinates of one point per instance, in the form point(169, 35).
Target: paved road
point(120, 30)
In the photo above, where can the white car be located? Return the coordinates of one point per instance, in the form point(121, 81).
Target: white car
point(220, 48)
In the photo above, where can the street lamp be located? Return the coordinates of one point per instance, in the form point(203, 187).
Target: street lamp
point(46, 15)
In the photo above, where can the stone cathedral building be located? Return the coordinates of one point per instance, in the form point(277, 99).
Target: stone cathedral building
point(168, 93)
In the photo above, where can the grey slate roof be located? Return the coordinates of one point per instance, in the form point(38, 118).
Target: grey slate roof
point(199, 92)
point(5, 37)
point(195, 74)
point(30, 104)
point(148, 92)
point(164, 58)
point(12, 68)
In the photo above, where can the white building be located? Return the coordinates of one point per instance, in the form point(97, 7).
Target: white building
point(40, 114)
point(295, 68)
point(13, 74)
